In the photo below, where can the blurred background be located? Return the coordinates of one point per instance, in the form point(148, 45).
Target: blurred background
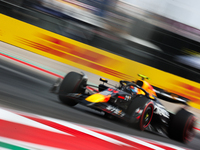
point(160, 34)
point(163, 35)
point(117, 39)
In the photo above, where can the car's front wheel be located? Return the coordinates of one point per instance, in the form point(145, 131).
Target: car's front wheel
point(146, 116)
point(141, 109)
point(72, 83)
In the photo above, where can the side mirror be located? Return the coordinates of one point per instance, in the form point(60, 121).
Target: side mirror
point(103, 80)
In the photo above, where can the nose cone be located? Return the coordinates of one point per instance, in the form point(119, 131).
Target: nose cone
point(98, 98)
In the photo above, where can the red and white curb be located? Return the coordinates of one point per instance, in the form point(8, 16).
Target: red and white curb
point(24, 131)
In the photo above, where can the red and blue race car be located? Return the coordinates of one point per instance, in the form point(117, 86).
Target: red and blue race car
point(135, 102)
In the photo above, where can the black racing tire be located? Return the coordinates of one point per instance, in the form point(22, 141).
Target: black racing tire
point(147, 114)
point(181, 126)
point(72, 83)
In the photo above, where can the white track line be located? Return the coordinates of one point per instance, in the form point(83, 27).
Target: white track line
point(133, 139)
point(12, 117)
point(86, 131)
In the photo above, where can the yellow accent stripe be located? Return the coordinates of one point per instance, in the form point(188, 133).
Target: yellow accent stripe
point(195, 105)
point(89, 58)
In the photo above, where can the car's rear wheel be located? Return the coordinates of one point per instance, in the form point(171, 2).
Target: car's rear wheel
point(145, 107)
point(72, 83)
point(181, 126)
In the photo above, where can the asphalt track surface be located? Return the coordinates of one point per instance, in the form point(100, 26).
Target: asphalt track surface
point(27, 89)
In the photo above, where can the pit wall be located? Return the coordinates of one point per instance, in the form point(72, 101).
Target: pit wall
point(91, 59)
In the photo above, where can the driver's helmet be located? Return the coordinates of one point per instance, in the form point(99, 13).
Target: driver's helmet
point(133, 89)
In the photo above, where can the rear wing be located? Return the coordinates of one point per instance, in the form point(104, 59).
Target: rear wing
point(170, 97)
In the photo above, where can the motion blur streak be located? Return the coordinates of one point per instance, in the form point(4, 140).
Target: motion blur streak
point(133, 139)
point(109, 65)
point(83, 137)
point(41, 69)
point(30, 65)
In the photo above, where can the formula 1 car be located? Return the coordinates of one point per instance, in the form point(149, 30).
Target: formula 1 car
point(135, 102)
